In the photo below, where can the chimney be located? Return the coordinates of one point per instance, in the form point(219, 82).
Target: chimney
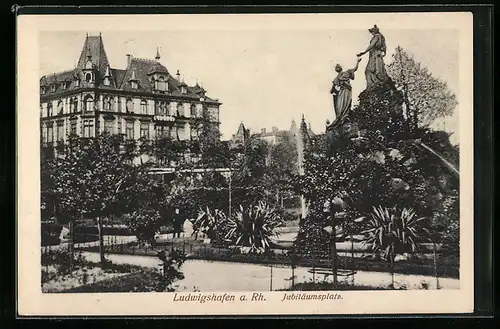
point(129, 59)
point(178, 75)
point(263, 131)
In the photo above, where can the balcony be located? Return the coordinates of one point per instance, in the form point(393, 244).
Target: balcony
point(163, 118)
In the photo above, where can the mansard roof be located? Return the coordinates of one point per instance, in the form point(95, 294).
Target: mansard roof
point(143, 69)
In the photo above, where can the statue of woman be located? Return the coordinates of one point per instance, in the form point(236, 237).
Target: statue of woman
point(375, 69)
point(342, 92)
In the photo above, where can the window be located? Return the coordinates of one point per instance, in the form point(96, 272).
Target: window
point(134, 84)
point(73, 127)
point(108, 126)
point(106, 81)
point(89, 103)
point(170, 110)
point(193, 111)
point(119, 126)
point(144, 107)
point(60, 131)
point(161, 84)
point(74, 105)
point(106, 104)
point(120, 105)
point(130, 106)
point(88, 77)
point(60, 108)
point(42, 90)
point(180, 110)
point(44, 134)
point(77, 83)
point(173, 133)
point(50, 133)
point(88, 128)
point(183, 90)
point(53, 88)
point(194, 134)
point(181, 133)
point(49, 109)
point(112, 104)
point(161, 131)
point(145, 130)
point(130, 130)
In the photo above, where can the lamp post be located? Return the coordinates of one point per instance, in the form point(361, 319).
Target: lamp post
point(332, 208)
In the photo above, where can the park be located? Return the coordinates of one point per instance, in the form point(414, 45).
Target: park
point(371, 203)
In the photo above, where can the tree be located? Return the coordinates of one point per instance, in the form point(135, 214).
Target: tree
point(281, 167)
point(380, 166)
point(427, 97)
point(95, 178)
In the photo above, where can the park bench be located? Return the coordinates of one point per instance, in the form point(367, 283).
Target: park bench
point(329, 271)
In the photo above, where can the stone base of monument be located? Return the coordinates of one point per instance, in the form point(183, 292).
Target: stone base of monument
point(340, 133)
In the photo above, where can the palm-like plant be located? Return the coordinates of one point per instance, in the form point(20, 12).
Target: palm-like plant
point(389, 233)
point(210, 223)
point(252, 227)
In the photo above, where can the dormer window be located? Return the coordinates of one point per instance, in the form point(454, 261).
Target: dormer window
point(88, 77)
point(161, 84)
point(53, 88)
point(42, 90)
point(133, 81)
point(183, 89)
point(77, 83)
point(107, 75)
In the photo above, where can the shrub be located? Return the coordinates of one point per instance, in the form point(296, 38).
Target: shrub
point(50, 234)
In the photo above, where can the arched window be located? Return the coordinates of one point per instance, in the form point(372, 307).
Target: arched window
point(89, 103)
point(130, 106)
point(88, 77)
point(60, 108)
point(144, 107)
point(193, 111)
point(180, 110)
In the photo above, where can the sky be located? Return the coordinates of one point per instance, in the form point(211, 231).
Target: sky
point(264, 78)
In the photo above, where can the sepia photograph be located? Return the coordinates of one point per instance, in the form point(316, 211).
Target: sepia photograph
point(206, 161)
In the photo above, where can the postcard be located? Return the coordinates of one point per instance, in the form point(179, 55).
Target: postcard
point(245, 164)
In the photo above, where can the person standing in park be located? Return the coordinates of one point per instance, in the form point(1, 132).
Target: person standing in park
point(178, 222)
point(375, 68)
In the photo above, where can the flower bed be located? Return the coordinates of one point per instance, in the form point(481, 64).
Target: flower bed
point(78, 277)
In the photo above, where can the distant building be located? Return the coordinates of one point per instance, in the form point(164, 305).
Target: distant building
point(240, 137)
point(275, 136)
point(142, 100)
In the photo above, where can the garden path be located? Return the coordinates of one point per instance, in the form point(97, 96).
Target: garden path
point(217, 276)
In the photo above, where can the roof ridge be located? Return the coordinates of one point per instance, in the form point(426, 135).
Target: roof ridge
point(144, 59)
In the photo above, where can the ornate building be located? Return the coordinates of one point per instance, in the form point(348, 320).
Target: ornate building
point(142, 100)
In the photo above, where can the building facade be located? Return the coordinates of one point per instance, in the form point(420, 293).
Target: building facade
point(275, 136)
point(142, 100)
